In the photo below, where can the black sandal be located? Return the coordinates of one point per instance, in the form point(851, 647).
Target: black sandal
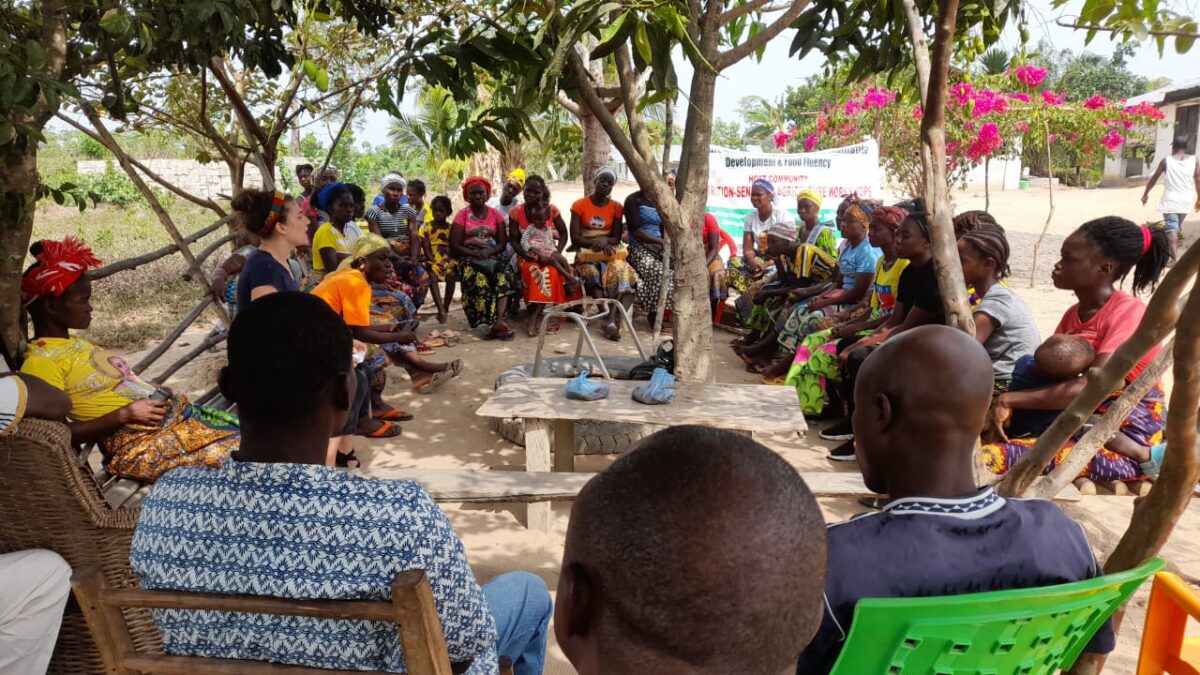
point(343, 460)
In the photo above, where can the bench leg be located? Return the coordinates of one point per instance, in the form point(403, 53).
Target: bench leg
point(564, 446)
point(537, 458)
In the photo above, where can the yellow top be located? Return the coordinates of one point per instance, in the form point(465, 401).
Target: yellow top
point(96, 381)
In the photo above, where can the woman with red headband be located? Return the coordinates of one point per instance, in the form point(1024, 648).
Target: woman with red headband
point(1094, 259)
point(143, 431)
point(478, 239)
point(280, 226)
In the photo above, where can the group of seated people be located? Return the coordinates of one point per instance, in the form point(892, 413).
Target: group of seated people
point(731, 570)
point(816, 309)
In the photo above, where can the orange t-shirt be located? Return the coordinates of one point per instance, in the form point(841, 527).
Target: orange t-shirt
point(349, 294)
point(596, 221)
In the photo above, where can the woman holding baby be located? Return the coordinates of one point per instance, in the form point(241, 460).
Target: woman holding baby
point(1094, 259)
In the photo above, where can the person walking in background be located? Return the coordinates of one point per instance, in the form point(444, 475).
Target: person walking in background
point(1181, 190)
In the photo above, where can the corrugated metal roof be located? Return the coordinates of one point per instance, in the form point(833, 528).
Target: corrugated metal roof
point(1159, 95)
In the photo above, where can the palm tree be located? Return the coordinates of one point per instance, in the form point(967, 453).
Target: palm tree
point(995, 61)
point(431, 132)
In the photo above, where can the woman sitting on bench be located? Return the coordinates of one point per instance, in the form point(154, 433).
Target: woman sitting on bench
point(143, 430)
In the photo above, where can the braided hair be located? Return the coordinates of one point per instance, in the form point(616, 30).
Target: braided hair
point(969, 220)
point(919, 215)
point(1146, 251)
point(989, 240)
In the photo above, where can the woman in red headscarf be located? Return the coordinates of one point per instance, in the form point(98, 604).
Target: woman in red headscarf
point(143, 430)
point(478, 239)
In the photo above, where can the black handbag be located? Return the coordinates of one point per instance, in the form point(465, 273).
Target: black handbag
point(664, 357)
point(486, 266)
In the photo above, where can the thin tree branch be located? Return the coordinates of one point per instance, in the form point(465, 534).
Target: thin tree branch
point(199, 201)
point(345, 123)
point(754, 5)
point(571, 106)
point(616, 134)
point(741, 51)
point(631, 87)
point(280, 124)
point(920, 45)
point(241, 111)
point(146, 258)
point(1106, 29)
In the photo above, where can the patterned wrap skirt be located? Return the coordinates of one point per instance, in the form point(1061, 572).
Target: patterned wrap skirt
point(388, 308)
point(607, 279)
point(650, 278)
point(482, 289)
point(190, 435)
point(1146, 426)
point(815, 366)
point(543, 284)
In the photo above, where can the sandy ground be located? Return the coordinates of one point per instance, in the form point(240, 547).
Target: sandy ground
point(447, 434)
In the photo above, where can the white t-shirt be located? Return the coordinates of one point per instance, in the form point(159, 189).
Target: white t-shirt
point(494, 202)
point(759, 227)
point(1179, 183)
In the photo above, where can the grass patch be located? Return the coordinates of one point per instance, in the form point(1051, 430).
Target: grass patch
point(139, 306)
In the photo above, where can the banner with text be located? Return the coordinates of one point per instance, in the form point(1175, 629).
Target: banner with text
point(834, 173)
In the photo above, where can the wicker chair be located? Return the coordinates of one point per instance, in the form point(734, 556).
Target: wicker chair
point(50, 499)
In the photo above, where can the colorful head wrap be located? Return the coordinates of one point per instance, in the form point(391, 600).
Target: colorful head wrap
point(393, 178)
point(783, 230)
point(324, 196)
point(889, 217)
point(276, 212)
point(59, 264)
point(476, 180)
point(605, 171)
point(517, 176)
point(764, 184)
point(363, 247)
point(859, 212)
point(811, 195)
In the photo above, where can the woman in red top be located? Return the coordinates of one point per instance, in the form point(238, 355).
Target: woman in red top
point(541, 285)
point(714, 240)
point(1094, 258)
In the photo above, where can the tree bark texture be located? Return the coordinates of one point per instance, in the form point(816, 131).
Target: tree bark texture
point(597, 148)
point(1162, 315)
point(937, 193)
point(18, 190)
point(1155, 517)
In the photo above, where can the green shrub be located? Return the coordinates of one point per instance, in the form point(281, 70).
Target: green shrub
point(111, 187)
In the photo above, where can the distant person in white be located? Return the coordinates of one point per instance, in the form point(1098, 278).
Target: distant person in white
point(1181, 190)
point(34, 584)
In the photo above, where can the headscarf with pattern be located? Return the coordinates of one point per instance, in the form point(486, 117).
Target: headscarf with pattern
point(605, 171)
point(889, 217)
point(59, 264)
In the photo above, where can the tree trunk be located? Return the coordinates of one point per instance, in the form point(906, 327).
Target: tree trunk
point(668, 134)
point(18, 190)
point(597, 148)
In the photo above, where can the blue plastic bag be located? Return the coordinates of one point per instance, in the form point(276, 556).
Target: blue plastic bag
point(658, 391)
point(582, 389)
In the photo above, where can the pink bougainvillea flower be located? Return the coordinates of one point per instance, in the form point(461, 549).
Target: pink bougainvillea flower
point(1113, 141)
point(1030, 76)
point(851, 107)
point(822, 123)
point(1128, 124)
point(1053, 138)
point(987, 141)
point(962, 92)
point(1095, 103)
point(877, 97)
point(985, 102)
point(1146, 110)
point(1023, 127)
point(810, 142)
point(781, 139)
point(1051, 98)
point(917, 112)
point(1019, 96)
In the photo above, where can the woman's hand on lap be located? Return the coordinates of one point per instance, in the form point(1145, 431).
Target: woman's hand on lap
point(997, 419)
point(143, 411)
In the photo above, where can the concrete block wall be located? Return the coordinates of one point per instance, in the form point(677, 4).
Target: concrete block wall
point(204, 180)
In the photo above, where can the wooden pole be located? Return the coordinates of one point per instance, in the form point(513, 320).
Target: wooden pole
point(151, 199)
point(1162, 314)
point(1046, 227)
point(210, 341)
point(1109, 424)
point(665, 283)
point(163, 346)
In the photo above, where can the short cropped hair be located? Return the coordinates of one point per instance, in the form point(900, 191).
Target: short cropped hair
point(709, 549)
point(284, 350)
point(300, 168)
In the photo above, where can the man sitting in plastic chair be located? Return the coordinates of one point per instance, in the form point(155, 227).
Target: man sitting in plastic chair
point(938, 534)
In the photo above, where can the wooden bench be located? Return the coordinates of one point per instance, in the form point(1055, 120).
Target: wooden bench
point(742, 408)
point(412, 609)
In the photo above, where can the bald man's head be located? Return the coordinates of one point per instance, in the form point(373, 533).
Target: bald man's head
point(699, 547)
point(920, 402)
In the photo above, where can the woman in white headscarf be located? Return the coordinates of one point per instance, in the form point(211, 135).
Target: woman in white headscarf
point(596, 229)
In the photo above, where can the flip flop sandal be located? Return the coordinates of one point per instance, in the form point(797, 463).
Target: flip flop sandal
point(774, 380)
point(434, 342)
point(386, 430)
point(612, 332)
point(456, 367)
point(552, 328)
point(424, 349)
point(343, 460)
point(393, 415)
point(434, 382)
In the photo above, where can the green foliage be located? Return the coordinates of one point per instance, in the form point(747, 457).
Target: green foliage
point(91, 148)
point(995, 61)
point(1079, 76)
point(1134, 22)
point(111, 187)
point(727, 134)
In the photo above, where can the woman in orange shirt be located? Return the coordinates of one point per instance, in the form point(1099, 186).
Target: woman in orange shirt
point(596, 228)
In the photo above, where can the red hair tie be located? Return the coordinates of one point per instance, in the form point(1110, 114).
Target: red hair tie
point(1146, 238)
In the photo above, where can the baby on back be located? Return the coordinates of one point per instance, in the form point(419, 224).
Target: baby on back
point(1063, 357)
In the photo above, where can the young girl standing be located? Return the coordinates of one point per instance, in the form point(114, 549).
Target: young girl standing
point(435, 242)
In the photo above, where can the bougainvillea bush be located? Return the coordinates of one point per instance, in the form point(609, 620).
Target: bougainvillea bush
point(991, 116)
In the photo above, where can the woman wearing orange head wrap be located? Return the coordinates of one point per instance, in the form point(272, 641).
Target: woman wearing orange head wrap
point(478, 239)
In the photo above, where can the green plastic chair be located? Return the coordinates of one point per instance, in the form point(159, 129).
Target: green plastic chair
point(1031, 631)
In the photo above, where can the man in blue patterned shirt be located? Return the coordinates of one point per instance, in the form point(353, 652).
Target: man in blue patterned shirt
point(915, 437)
point(275, 521)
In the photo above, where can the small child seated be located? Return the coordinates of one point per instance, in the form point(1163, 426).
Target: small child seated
point(1061, 357)
point(541, 241)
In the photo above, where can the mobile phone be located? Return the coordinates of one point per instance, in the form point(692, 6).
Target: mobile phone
point(160, 394)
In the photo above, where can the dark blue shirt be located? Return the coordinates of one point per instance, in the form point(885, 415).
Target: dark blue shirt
point(262, 269)
point(924, 547)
